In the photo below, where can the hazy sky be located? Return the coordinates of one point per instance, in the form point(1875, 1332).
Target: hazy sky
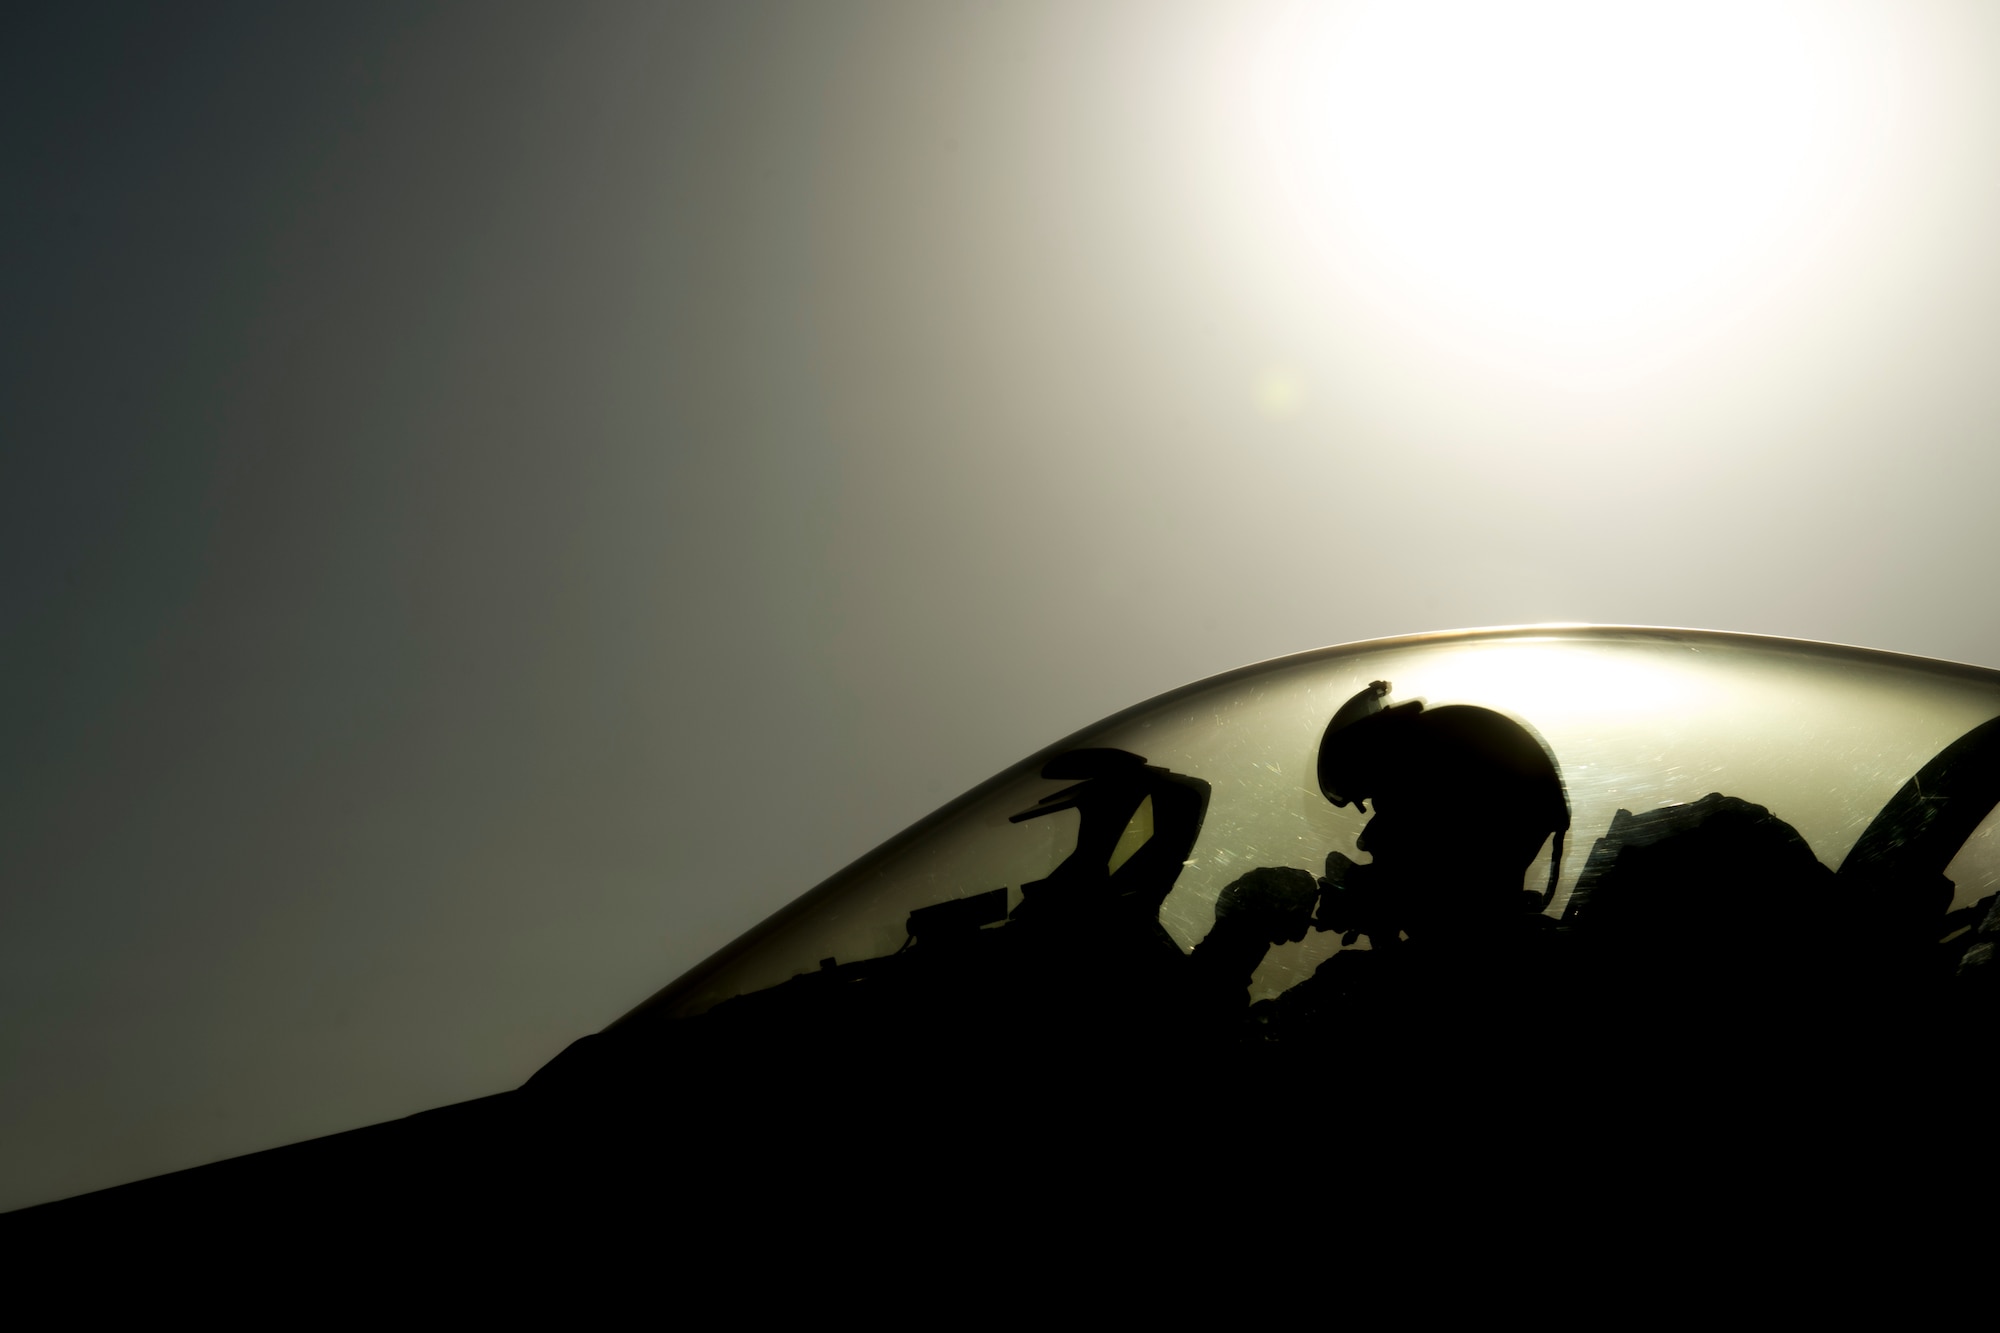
point(497, 498)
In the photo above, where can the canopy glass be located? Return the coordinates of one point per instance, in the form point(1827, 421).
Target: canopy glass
point(1747, 811)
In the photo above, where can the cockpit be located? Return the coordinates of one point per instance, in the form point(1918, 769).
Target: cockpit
point(1525, 835)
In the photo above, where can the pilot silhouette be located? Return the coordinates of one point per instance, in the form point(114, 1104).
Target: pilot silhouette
point(1463, 799)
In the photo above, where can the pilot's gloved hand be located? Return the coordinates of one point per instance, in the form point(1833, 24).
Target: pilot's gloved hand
point(1350, 901)
point(1273, 904)
point(1338, 867)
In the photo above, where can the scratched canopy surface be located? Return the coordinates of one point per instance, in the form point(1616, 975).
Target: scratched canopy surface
point(1733, 748)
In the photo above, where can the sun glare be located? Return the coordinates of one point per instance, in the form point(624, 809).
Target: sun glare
point(1577, 173)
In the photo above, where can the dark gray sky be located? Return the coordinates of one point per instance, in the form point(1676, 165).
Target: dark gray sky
point(497, 498)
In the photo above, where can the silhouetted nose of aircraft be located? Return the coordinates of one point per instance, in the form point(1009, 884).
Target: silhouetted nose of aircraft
point(1340, 889)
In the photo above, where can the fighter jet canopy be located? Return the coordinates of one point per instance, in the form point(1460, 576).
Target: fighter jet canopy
point(1744, 807)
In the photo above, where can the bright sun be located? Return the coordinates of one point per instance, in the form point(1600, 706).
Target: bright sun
point(1574, 173)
